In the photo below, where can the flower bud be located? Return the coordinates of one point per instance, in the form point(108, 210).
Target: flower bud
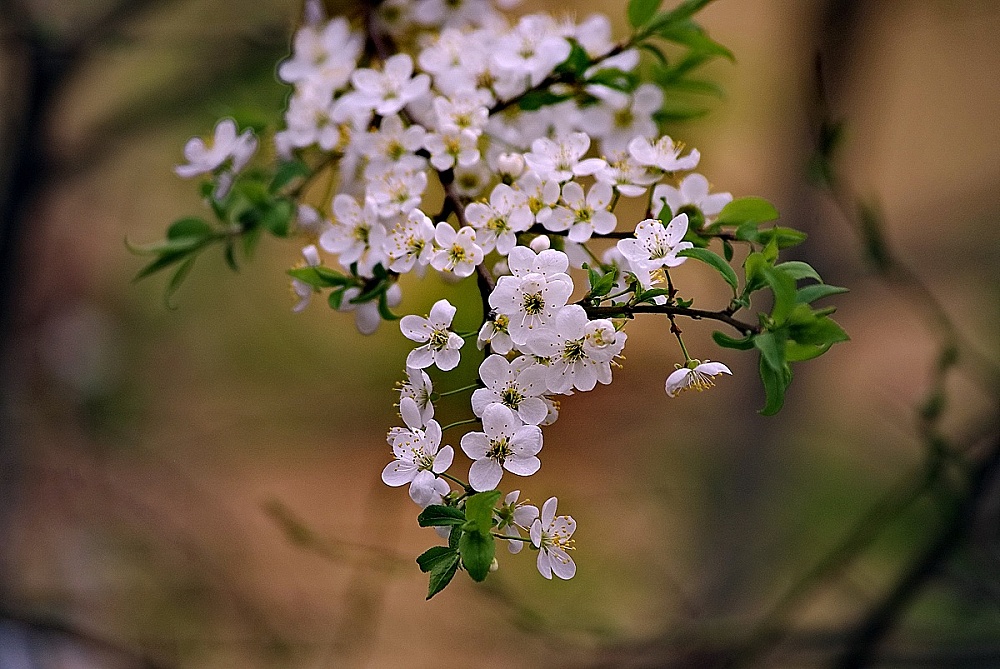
point(540, 243)
point(510, 164)
point(494, 565)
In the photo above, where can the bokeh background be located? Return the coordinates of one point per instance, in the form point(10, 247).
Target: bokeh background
point(199, 487)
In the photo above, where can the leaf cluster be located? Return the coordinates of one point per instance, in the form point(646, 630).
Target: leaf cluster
point(471, 545)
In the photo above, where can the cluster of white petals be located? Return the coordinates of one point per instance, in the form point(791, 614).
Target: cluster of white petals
point(524, 191)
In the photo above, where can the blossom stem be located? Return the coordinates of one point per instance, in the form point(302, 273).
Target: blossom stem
point(471, 386)
point(510, 538)
point(459, 423)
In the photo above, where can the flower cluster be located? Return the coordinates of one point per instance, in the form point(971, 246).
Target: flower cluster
point(454, 140)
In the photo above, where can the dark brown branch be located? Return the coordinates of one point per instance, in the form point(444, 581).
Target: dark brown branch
point(626, 311)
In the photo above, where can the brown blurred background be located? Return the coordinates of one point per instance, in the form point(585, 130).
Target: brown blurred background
point(199, 487)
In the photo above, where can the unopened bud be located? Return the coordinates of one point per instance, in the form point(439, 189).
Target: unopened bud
point(494, 565)
point(540, 243)
point(510, 164)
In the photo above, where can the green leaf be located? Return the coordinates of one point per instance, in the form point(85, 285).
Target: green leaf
point(795, 352)
point(372, 293)
point(783, 286)
point(695, 86)
point(641, 11)
point(383, 309)
point(775, 383)
point(676, 111)
point(753, 269)
point(616, 79)
point(727, 250)
point(692, 36)
point(712, 259)
point(810, 294)
point(821, 331)
point(439, 514)
point(288, 172)
point(441, 576)
point(479, 509)
point(477, 552)
point(335, 298)
point(535, 100)
point(434, 556)
point(678, 14)
point(319, 276)
point(188, 228)
point(278, 218)
point(783, 237)
point(799, 270)
point(604, 284)
point(164, 261)
point(746, 210)
point(177, 279)
point(726, 341)
point(772, 349)
point(577, 62)
point(649, 295)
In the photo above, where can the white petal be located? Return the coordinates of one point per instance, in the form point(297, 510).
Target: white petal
point(443, 459)
point(485, 474)
point(398, 473)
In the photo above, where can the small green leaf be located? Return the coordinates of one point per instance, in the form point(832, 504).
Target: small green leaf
point(726, 341)
point(535, 100)
point(775, 384)
point(383, 309)
point(442, 574)
point(434, 556)
point(164, 261)
point(809, 294)
point(692, 36)
point(783, 237)
point(616, 79)
point(288, 172)
point(649, 295)
point(727, 250)
point(278, 218)
point(745, 210)
point(712, 259)
point(336, 298)
point(604, 284)
point(439, 514)
point(795, 352)
point(189, 227)
point(799, 270)
point(783, 286)
point(577, 62)
point(177, 279)
point(319, 276)
point(820, 331)
point(678, 14)
point(479, 509)
point(477, 552)
point(772, 349)
point(640, 12)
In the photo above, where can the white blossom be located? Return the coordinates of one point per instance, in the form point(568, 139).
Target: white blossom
point(663, 155)
point(504, 443)
point(537, 289)
point(697, 378)
point(418, 458)
point(449, 148)
point(517, 385)
point(494, 332)
point(226, 154)
point(552, 536)
point(583, 216)
point(388, 91)
point(513, 517)
point(579, 354)
point(418, 387)
point(498, 222)
point(693, 192)
point(457, 252)
point(357, 236)
point(562, 159)
point(656, 246)
point(411, 242)
point(442, 347)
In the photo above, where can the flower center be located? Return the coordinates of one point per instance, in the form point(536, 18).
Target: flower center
point(499, 449)
point(534, 304)
point(573, 351)
point(438, 340)
point(456, 254)
point(511, 397)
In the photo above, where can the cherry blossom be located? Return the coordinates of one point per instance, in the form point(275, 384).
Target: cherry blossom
point(552, 536)
point(698, 377)
point(442, 347)
point(504, 443)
